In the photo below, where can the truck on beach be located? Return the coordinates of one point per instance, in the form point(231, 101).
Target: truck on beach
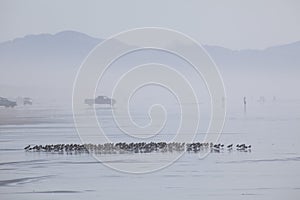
point(27, 101)
point(101, 100)
point(7, 103)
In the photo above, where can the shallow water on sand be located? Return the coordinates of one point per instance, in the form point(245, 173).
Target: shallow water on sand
point(269, 171)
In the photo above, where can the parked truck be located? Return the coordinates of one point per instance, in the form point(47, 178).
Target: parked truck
point(103, 100)
point(7, 103)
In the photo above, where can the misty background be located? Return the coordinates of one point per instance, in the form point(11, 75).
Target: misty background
point(44, 67)
point(255, 44)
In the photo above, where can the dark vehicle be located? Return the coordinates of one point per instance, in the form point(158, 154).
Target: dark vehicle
point(104, 100)
point(7, 103)
point(27, 101)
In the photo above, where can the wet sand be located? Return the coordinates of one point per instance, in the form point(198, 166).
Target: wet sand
point(270, 171)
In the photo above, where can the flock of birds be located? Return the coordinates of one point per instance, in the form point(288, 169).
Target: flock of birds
point(139, 147)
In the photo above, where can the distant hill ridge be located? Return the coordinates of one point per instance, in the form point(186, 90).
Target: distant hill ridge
point(69, 48)
point(45, 66)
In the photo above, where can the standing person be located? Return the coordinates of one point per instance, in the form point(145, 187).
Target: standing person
point(245, 105)
point(223, 102)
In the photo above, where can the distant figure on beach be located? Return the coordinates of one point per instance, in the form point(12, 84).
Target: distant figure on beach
point(245, 105)
point(223, 102)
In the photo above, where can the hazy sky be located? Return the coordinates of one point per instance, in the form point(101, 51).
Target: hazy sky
point(233, 24)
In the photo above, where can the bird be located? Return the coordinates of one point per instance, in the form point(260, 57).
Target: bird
point(27, 147)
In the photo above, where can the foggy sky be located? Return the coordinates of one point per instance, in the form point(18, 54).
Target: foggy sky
point(233, 24)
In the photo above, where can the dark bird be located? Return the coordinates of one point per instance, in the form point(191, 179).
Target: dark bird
point(27, 147)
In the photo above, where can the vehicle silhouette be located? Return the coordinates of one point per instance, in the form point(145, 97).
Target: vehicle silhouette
point(100, 100)
point(27, 101)
point(7, 103)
